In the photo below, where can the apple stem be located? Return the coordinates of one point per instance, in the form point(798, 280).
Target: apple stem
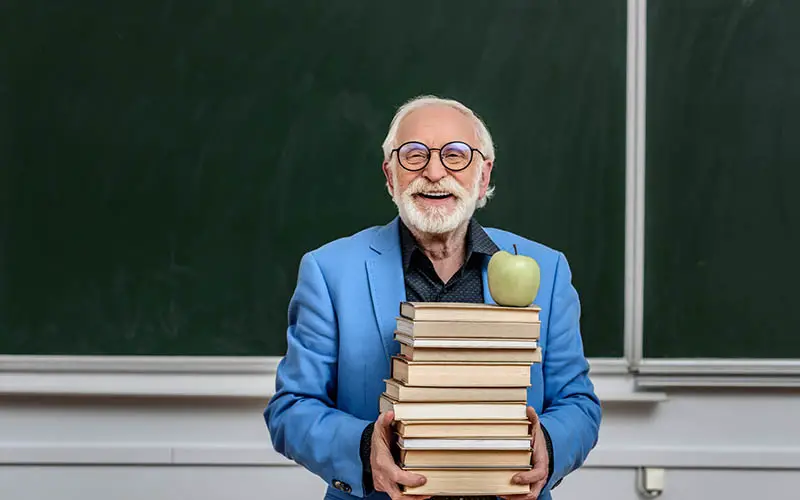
point(515, 249)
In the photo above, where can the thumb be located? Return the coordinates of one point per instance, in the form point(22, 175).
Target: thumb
point(385, 420)
point(383, 426)
point(532, 416)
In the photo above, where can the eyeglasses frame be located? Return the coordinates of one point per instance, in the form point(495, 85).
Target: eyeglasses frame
point(439, 151)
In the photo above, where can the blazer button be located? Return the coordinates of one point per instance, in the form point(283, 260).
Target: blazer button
point(341, 486)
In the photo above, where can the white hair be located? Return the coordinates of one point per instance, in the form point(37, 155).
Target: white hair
point(485, 143)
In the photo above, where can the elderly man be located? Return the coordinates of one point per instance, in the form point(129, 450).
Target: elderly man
point(438, 158)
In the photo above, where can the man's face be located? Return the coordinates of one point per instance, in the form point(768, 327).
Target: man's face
point(435, 199)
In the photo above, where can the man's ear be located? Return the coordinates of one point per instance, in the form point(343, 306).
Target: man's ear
point(486, 177)
point(387, 172)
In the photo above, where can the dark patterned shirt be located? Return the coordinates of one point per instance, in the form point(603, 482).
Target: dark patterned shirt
point(466, 285)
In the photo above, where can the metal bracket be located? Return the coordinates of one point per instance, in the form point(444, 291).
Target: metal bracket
point(650, 481)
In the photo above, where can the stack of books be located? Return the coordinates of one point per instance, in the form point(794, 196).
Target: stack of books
point(458, 390)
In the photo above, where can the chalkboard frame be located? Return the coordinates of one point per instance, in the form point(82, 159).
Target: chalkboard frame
point(674, 371)
point(142, 279)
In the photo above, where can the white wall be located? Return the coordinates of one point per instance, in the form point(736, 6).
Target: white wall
point(714, 443)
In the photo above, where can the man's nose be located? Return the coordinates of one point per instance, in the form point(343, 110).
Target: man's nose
point(435, 169)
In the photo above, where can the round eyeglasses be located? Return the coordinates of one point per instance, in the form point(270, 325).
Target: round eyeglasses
point(455, 156)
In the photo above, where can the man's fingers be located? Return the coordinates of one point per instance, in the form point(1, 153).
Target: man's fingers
point(537, 488)
point(401, 496)
point(406, 478)
point(530, 476)
point(392, 490)
point(535, 491)
point(394, 475)
point(536, 478)
point(395, 492)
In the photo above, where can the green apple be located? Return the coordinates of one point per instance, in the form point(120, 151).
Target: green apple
point(513, 278)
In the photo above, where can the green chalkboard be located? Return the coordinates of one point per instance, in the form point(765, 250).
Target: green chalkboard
point(723, 169)
point(166, 164)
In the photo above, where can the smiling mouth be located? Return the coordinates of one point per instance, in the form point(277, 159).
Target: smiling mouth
point(435, 196)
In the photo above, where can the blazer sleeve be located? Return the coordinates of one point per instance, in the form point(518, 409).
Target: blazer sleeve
point(571, 411)
point(303, 422)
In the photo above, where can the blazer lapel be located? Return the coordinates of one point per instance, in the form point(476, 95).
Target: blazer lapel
point(386, 283)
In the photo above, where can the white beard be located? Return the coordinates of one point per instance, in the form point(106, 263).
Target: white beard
point(436, 220)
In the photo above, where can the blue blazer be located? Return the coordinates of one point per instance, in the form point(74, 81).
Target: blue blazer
point(340, 340)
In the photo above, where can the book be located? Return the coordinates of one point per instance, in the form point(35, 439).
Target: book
point(458, 389)
point(465, 312)
point(471, 343)
point(468, 329)
point(399, 391)
point(452, 411)
point(413, 353)
point(467, 481)
point(464, 444)
point(460, 374)
point(464, 428)
point(435, 459)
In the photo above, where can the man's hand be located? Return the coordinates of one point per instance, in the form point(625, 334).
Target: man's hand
point(385, 473)
point(536, 477)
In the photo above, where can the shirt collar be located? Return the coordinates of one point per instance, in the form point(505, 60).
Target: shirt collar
point(477, 242)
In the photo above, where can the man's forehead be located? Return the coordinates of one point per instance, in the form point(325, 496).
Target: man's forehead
point(437, 121)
